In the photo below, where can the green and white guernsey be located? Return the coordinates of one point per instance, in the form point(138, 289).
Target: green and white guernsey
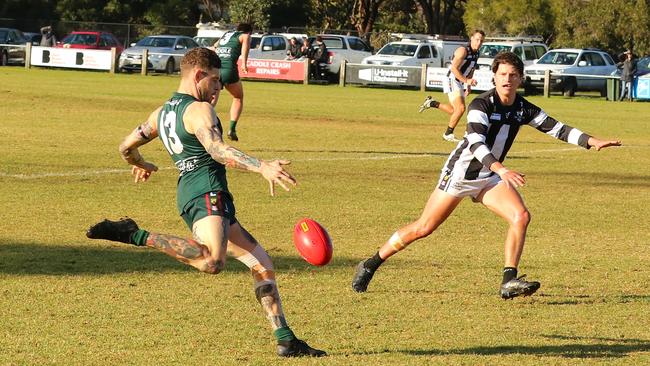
point(229, 50)
point(199, 173)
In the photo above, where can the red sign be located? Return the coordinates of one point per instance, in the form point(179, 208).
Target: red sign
point(273, 69)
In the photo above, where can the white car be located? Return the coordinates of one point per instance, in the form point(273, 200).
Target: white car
point(573, 61)
point(349, 48)
point(415, 52)
point(268, 46)
point(528, 50)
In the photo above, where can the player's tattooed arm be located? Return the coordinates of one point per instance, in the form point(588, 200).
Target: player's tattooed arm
point(225, 154)
point(129, 147)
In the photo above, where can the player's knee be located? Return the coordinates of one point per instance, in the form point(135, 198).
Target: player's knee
point(214, 266)
point(424, 229)
point(521, 218)
point(459, 108)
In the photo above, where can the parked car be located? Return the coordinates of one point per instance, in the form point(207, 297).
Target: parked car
point(415, 52)
point(33, 38)
point(165, 53)
point(208, 34)
point(349, 48)
point(588, 61)
point(268, 46)
point(9, 54)
point(528, 49)
point(91, 40)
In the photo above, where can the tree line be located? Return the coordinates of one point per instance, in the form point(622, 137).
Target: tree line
point(612, 25)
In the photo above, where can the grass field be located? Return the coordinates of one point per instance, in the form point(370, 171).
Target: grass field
point(366, 162)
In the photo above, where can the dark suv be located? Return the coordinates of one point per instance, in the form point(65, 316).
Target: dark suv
point(10, 54)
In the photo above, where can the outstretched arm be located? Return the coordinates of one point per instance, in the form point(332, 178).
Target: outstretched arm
point(245, 40)
point(201, 119)
point(128, 149)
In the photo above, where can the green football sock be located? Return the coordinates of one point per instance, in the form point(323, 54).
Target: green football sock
point(284, 334)
point(233, 125)
point(139, 237)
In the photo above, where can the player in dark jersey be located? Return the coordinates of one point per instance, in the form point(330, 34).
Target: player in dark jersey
point(460, 72)
point(192, 135)
point(475, 168)
point(229, 47)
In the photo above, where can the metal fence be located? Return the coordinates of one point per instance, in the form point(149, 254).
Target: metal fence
point(125, 32)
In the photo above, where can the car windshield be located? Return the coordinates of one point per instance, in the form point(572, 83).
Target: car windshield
point(206, 41)
point(255, 41)
point(398, 49)
point(491, 50)
point(643, 66)
point(81, 39)
point(156, 42)
point(558, 58)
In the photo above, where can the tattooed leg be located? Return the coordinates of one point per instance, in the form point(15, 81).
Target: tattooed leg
point(246, 250)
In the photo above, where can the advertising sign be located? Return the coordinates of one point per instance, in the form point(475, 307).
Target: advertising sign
point(642, 88)
point(383, 75)
point(435, 76)
point(274, 69)
point(71, 58)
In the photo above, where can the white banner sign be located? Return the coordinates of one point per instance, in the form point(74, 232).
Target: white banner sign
point(435, 76)
point(71, 58)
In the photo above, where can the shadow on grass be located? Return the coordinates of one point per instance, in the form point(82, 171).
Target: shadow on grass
point(370, 152)
point(603, 348)
point(40, 259)
point(601, 179)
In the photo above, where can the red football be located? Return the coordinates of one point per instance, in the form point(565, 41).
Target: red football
point(313, 242)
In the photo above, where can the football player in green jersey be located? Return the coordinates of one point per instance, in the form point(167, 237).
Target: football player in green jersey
point(191, 133)
point(229, 47)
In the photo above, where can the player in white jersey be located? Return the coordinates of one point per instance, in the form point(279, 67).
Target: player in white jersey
point(475, 168)
point(460, 73)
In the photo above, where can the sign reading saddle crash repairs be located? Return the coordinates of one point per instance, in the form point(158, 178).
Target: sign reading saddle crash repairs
point(274, 69)
point(383, 75)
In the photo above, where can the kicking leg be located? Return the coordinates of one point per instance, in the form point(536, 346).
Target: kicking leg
point(247, 250)
point(439, 206)
point(207, 254)
point(504, 200)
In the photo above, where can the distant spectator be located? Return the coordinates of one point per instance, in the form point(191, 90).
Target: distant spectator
point(48, 39)
point(294, 52)
point(305, 49)
point(628, 69)
point(318, 57)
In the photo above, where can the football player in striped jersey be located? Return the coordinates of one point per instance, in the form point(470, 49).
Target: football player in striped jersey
point(475, 168)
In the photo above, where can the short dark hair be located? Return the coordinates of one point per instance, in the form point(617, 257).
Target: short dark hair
point(319, 39)
point(203, 58)
point(508, 58)
point(478, 31)
point(245, 28)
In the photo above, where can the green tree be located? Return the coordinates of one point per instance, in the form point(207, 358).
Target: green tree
point(255, 12)
point(442, 16)
point(525, 17)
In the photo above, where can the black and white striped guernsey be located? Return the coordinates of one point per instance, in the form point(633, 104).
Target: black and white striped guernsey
point(491, 130)
point(468, 64)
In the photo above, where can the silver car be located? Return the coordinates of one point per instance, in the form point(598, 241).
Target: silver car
point(165, 53)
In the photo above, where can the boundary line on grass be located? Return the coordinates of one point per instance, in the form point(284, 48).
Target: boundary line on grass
point(383, 157)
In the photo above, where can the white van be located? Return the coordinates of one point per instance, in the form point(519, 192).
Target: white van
point(208, 34)
point(528, 49)
point(417, 49)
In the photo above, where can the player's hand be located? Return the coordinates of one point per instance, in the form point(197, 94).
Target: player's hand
point(244, 69)
point(274, 173)
point(142, 173)
point(471, 82)
point(468, 90)
point(601, 144)
point(512, 177)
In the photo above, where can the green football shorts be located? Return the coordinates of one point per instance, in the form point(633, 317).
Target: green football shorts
point(209, 204)
point(229, 75)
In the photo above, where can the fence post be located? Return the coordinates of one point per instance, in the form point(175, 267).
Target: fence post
point(143, 63)
point(28, 55)
point(113, 60)
point(344, 65)
point(423, 77)
point(306, 74)
point(547, 83)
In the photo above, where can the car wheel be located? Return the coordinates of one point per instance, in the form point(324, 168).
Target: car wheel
point(4, 58)
point(570, 87)
point(169, 67)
